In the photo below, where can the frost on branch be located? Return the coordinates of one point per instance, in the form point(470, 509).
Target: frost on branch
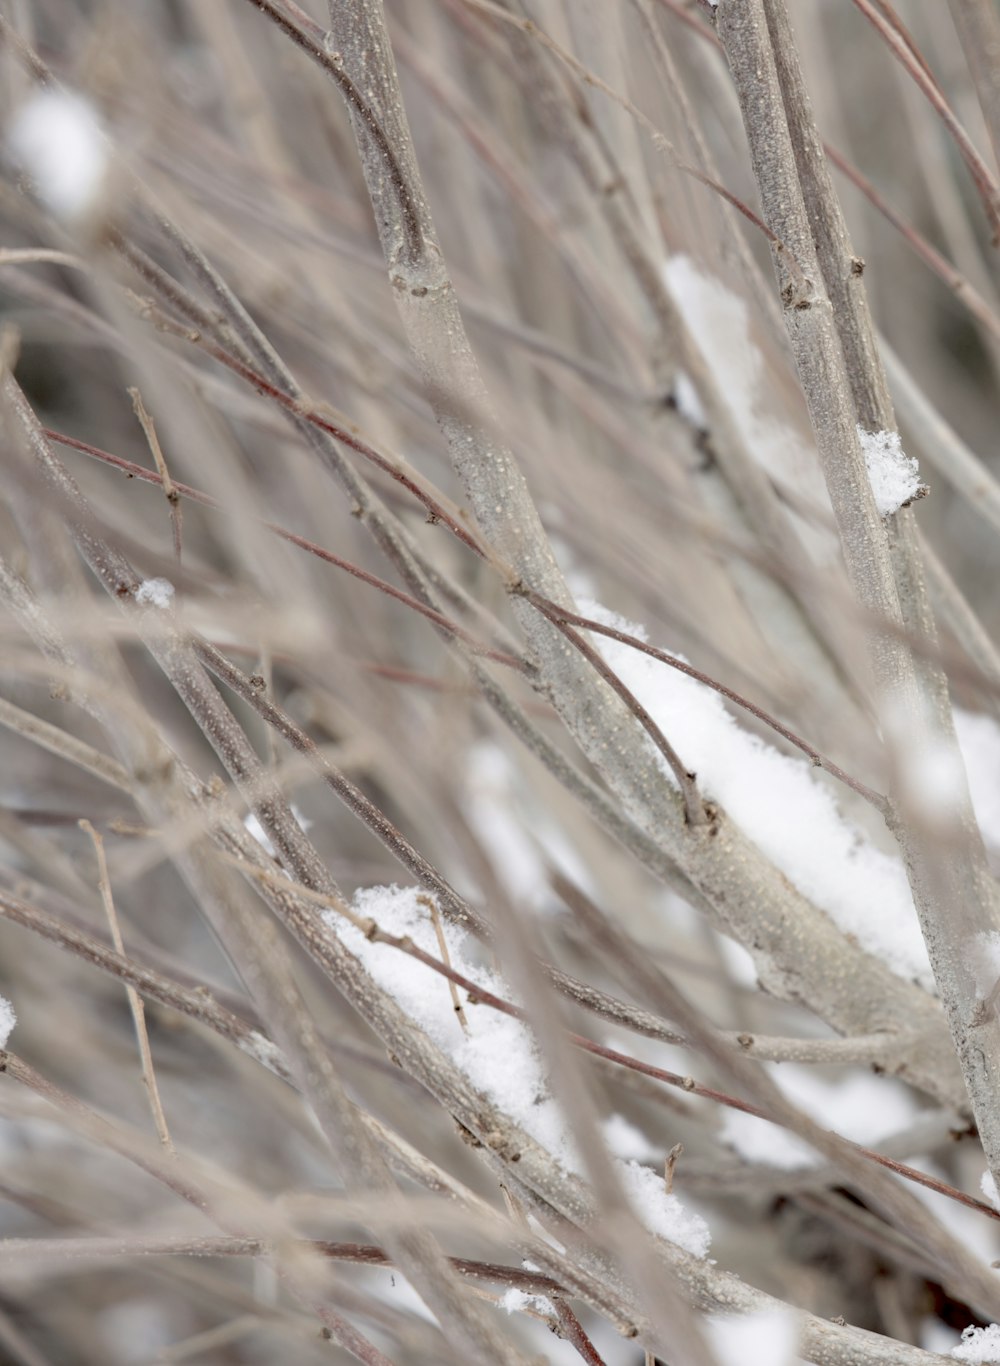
point(893, 475)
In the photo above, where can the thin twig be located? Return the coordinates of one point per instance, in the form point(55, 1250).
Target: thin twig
point(634, 642)
point(431, 905)
point(319, 419)
point(670, 1166)
point(962, 289)
point(170, 492)
point(694, 806)
point(66, 746)
point(134, 999)
point(983, 178)
point(659, 139)
point(133, 471)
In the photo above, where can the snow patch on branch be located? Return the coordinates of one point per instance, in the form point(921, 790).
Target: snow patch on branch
point(780, 804)
point(979, 1345)
point(517, 1301)
point(719, 323)
point(662, 1213)
point(893, 475)
point(498, 1053)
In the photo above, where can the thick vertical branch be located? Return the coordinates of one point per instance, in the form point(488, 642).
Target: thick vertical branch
point(949, 879)
point(842, 276)
point(842, 272)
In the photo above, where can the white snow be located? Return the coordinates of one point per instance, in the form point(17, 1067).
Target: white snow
point(893, 475)
point(498, 1054)
point(981, 1345)
point(752, 1339)
point(989, 1188)
point(254, 827)
point(515, 1301)
point(979, 739)
point(155, 593)
point(688, 402)
point(7, 1021)
point(983, 961)
point(779, 802)
point(518, 838)
point(764, 1144)
point(627, 1141)
point(719, 323)
point(57, 140)
point(859, 1106)
point(662, 1213)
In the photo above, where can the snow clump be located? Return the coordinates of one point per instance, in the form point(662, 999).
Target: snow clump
point(155, 593)
point(979, 1345)
point(893, 475)
point(56, 139)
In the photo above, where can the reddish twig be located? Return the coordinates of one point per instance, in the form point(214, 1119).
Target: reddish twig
point(694, 807)
point(819, 760)
point(479, 995)
point(989, 191)
point(134, 471)
point(940, 265)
